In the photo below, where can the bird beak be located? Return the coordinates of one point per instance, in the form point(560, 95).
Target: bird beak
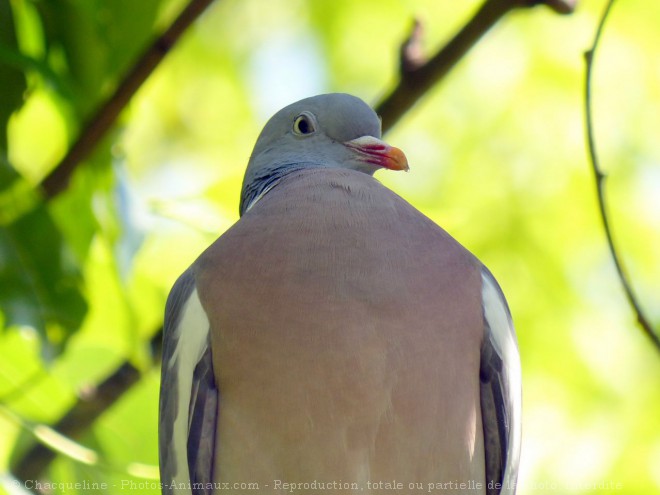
point(376, 152)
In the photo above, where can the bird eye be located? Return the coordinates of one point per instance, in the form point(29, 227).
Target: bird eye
point(304, 124)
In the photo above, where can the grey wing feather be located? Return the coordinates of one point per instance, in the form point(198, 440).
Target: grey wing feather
point(500, 391)
point(202, 424)
point(188, 394)
point(168, 402)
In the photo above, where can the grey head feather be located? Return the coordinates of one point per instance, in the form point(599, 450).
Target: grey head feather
point(326, 121)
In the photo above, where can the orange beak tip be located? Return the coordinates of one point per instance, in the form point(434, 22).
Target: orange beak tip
point(378, 152)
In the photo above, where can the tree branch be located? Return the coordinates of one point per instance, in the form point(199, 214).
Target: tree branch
point(85, 412)
point(58, 179)
point(417, 78)
point(599, 176)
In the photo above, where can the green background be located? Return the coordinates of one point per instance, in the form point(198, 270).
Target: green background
point(497, 155)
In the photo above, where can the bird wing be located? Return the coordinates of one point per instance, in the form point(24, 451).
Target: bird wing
point(500, 379)
point(188, 394)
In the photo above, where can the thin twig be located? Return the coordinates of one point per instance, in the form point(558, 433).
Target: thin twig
point(58, 179)
point(416, 79)
point(600, 176)
point(411, 53)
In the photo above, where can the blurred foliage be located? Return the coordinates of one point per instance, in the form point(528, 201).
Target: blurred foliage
point(497, 155)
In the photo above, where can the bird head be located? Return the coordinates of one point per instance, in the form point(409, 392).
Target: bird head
point(326, 131)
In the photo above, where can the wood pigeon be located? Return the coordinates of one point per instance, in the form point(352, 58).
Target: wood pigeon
point(335, 339)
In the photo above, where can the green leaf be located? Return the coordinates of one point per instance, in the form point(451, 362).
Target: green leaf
point(73, 212)
point(126, 26)
point(12, 82)
point(93, 42)
point(39, 282)
point(7, 173)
